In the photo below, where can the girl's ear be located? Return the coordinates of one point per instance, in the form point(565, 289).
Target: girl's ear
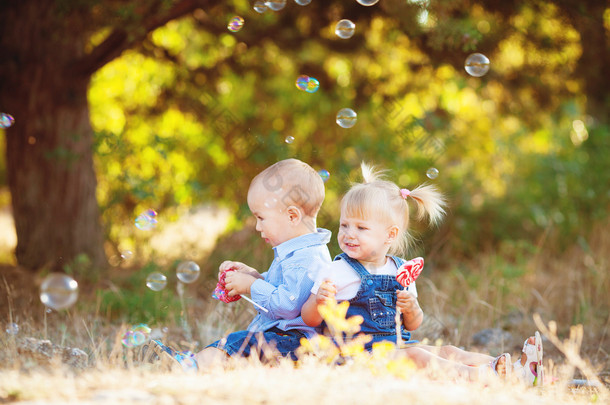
point(392, 234)
point(294, 214)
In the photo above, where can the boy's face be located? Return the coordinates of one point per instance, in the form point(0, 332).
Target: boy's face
point(364, 240)
point(272, 220)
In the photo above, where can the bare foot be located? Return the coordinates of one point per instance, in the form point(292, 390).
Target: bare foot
point(501, 366)
point(531, 340)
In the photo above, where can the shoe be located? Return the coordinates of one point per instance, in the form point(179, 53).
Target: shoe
point(532, 372)
point(156, 352)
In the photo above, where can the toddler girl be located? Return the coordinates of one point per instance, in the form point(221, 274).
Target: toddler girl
point(373, 230)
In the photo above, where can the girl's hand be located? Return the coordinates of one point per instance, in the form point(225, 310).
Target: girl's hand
point(407, 302)
point(327, 291)
point(412, 314)
point(237, 283)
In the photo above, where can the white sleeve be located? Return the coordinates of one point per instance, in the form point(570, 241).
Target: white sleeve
point(322, 275)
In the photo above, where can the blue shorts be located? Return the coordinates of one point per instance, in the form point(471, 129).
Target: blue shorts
point(266, 345)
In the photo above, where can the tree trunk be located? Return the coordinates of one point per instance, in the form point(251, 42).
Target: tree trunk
point(49, 148)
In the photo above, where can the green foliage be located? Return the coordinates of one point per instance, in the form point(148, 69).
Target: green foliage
point(130, 301)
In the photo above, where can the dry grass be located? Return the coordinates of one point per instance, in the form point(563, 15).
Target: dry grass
point(501, 289)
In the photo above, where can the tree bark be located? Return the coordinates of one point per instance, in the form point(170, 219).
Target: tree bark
point(49, 150)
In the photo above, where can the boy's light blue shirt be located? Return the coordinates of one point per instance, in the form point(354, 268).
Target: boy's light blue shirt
point(287, 284)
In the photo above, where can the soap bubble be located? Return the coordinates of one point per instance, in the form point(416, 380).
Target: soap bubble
point(308, 84)
point(345, 29)
point(147, 220)
point(136, 336)
point(367, 2)
point(432, 173)
point(12, 328)
point(324, 174)
point(289, 139)
point(156, 281)
point(276, 5)
point(58, 291)
point(260, 7)
point(346, 118)
point(187, 272)
point(6, 120)
point(126, 254)
point(302, 2)
point(302, 82)
point(476, 64)
point(235, 24)
point(312, 85)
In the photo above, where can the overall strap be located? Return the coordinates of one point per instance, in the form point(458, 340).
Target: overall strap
point(355, 264)
point(398, 260)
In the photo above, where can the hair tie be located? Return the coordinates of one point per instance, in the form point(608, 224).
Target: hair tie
point(404, 192)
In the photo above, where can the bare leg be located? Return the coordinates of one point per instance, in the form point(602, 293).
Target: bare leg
point(210, 357)
point(424, 358)
point(458, 355)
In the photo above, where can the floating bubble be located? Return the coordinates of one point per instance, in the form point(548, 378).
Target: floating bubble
point(58, 291)
point(187, 272)
point(346, 118)
point(308, 84)
point(128, 339)
point(6, 120)
point(147, 220)
point(165, 329)
point(126, 254)
point(156, 281)
point(302, 2)
point(367, 2)
point(345, 29)
point(312, 85)
point(136, 336)
point(276, 5)
point(235, 24)
point(49, 310)
point(432, 173)
point(12, 328)
point(324, 174)
point(289, 139)
point(260, 7)
point(476, 65)
point(302, 82)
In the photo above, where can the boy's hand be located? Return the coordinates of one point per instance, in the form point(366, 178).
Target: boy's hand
point(327, 291)
point(237, 283)
point(239, 267)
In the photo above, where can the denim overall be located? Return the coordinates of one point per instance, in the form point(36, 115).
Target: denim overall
point(375, 301)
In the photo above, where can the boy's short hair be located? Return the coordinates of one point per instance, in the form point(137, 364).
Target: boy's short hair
point(295, 183)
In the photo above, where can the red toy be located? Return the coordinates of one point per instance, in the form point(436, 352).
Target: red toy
point(220, 292)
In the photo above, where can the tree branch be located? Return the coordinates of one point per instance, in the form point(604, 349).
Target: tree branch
point(120, 39)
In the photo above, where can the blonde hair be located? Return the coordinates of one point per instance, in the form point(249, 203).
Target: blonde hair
point(295, 183)
point(382, 199)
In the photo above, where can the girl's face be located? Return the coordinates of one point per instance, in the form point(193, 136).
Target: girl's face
point(365, 240)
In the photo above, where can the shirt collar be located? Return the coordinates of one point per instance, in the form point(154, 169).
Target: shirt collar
point(321, 237)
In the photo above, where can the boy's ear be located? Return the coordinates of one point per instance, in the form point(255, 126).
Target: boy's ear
point(294, 214)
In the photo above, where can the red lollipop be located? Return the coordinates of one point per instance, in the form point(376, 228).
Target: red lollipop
point(408, 272)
